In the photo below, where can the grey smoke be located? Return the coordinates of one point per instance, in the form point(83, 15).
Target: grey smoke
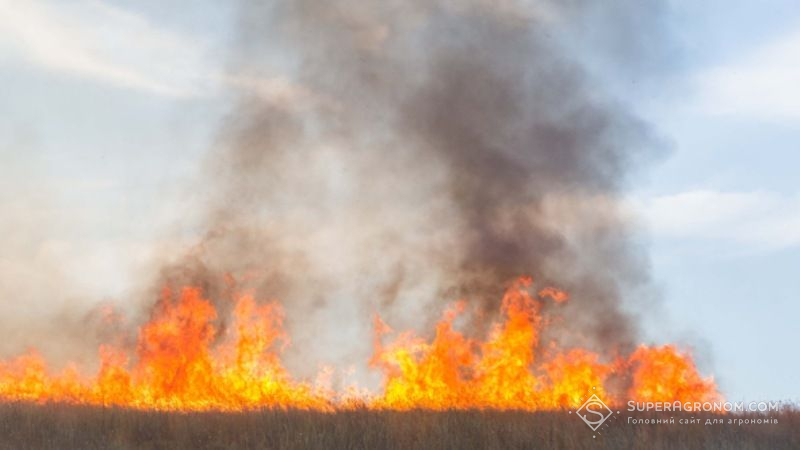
point(391, 156)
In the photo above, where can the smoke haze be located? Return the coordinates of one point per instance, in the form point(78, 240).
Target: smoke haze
point(393, 156)
point(387, 156)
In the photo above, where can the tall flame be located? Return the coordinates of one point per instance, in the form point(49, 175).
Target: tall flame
point(456, 372)
point(183, 362)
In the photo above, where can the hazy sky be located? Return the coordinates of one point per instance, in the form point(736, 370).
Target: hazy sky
point(108, 108)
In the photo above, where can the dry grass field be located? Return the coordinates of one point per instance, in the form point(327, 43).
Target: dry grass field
point(24, 426)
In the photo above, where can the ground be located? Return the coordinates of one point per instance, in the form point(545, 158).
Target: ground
point(52, 426)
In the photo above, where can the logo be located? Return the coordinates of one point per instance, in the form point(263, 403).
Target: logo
point(594, 412)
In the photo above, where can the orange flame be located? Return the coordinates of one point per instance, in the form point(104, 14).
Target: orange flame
point(183, 362)
point(455, 372)
point(177, 367)
point(664, 374)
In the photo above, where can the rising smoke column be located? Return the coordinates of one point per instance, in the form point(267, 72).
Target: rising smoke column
point(392, 155)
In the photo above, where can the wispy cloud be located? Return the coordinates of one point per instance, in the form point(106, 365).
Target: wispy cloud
point(94, 40)
point(766, 220)
point(761, 84)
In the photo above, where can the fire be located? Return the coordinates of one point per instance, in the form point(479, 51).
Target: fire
point(178, 367)
point(184, 360)
point(665, 374)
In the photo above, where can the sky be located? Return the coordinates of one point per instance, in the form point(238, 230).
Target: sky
point(108, 108)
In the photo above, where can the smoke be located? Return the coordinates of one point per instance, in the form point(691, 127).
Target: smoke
point(389, 156)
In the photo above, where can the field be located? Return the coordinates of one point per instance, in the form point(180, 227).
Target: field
point(56, 426)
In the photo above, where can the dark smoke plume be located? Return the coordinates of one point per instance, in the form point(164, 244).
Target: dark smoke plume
point(392, 155)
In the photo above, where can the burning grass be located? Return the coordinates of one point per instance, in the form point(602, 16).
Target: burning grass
point(60, 426)
point(183, 362)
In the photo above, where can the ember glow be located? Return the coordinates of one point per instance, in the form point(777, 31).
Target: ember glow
point(183, 362)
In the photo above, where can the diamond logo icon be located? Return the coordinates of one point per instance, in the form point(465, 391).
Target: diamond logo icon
point(594, 412)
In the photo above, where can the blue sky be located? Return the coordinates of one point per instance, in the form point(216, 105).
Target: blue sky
point(108, 108)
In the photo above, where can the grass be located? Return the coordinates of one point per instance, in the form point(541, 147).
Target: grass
point(58, 426)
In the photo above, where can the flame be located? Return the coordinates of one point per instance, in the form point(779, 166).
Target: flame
point(456, 372)
point(178, 367)
point(183, 360)
point(665, 374)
